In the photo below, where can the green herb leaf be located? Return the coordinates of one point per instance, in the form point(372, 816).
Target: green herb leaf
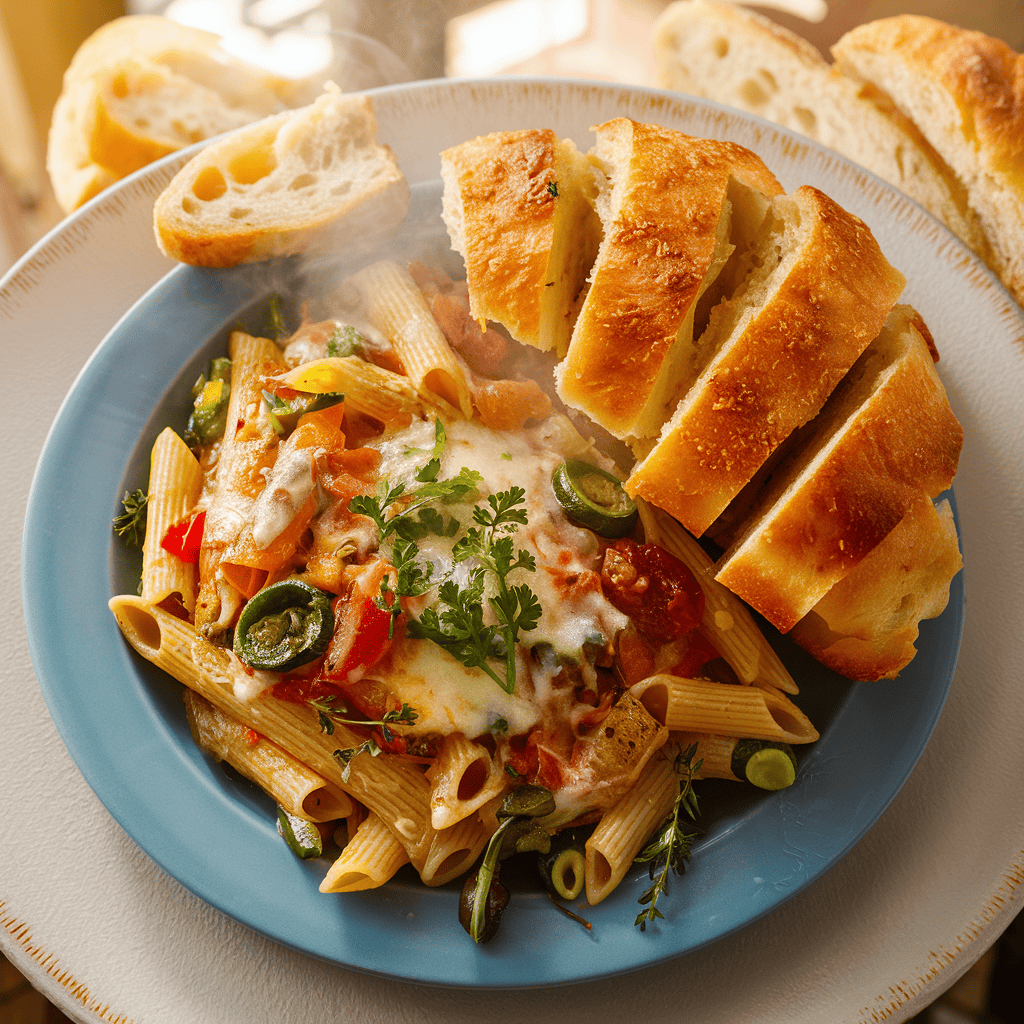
point(668, 849)
point(344, 342)
point(131, 522)
point(345, 757)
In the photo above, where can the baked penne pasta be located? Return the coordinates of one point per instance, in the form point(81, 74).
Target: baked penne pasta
point(464, 777)
point(699, 705)
point(395, 305)
point(296, 788)
point(175, 484)
point(396, 791)
point(625, 827)
point(370, 858)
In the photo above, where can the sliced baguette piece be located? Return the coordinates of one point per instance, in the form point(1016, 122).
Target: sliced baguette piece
point(866, 625)
point(74, 176)
point(885, 436)
point(818, 291)
point(668, 216)
point(963, 90)
point(519, 208)
point(137, 111)
point(738, 57)
point(301, 181)
point(96, 134)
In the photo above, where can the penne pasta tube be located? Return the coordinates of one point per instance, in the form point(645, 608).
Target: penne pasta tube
point(454, 850)
point(395, 305)
point(397, 791)
point(175, 484)
point(728, 623)
point(368, 388)
point(370, 858)
point(626, 826)
point(767, 764)
point(714, 753)
point(464, 778)
point(290, 783)
point(745, 712)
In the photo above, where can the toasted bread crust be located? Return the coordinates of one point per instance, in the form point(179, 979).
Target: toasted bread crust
point(865, 627)
point(778, 373)
point(507, 223)
point(658, 248)
point(965, 92)
point(848, 490)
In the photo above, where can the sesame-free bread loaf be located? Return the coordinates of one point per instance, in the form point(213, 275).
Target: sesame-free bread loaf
point(519, 208)
point(301, 181)
point(673, 210)
point(736, 56)
point(817, 290)
point(886, 436)
point(142, 86)
point(963, 90)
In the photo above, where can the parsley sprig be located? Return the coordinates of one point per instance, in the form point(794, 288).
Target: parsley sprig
point(669, 847)
point(459, 627)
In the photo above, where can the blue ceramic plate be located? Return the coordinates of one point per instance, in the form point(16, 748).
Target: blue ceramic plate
point(124, 725)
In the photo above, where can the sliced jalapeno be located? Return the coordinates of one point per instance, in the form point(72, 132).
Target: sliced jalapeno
point(284, 625)
point(594, 499)
point(284, 415)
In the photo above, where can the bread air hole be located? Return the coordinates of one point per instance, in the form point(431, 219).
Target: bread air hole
point(209, 184)
point(249, 167)
point(341, 189)
point(721, 46)
point(239, 212)
point(807, 118)
point(302, 181)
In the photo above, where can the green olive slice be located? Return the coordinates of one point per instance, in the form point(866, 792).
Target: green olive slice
point(594, 499)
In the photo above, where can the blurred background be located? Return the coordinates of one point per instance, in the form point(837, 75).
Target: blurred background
point(390, 41)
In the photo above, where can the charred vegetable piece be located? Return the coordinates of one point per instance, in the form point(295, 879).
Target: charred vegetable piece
point(562, 868)
point(284, 415)
point(594, 499)
point(765, 763)
point(284, 625)
point(210, 405)
point(478, 912)
point(303, 837)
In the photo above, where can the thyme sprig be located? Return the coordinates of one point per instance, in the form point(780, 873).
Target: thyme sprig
point(668, 849)
point(329, 714)
point(130, 523)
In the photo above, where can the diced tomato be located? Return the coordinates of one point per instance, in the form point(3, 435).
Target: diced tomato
point(362, 629)
point(185, 538)
point(652, 587)
point(699, 652)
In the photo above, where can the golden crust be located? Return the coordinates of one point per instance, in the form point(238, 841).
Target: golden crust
point(651, 266)
point(848, 489)
point(866, 625)
point(508, 223)
point(983, 74)
point(777, 373)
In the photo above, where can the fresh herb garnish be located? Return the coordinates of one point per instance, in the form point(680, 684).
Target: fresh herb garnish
point(344, 757)
point(131, 523)
point(669, 847)
point(276, 317)
point(459, 626)
point(329, 714)
point(553, 189)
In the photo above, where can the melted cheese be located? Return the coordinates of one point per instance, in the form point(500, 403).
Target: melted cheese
point(447, 696)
